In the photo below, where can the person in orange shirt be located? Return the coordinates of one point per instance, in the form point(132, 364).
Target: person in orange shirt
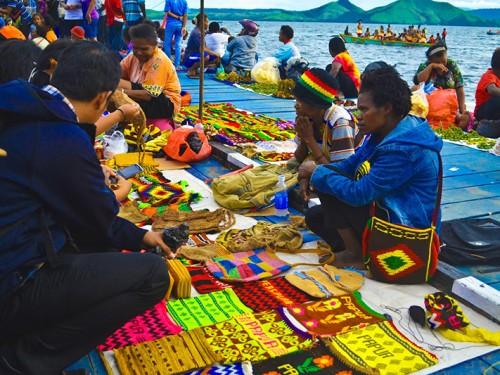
point(487, 110)
point(343, 69)
point(149, 77)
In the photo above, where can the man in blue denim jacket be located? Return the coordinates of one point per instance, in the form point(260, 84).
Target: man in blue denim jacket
point(397, 168)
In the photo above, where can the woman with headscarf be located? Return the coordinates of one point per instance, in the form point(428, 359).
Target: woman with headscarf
point(442, 72)
point(242, 50)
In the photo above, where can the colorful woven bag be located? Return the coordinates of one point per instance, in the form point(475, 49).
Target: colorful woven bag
point(399, 254)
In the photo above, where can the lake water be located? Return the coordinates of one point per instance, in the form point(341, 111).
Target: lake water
point(470, 47)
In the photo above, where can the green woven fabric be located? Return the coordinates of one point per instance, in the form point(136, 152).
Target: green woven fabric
point(206, 309)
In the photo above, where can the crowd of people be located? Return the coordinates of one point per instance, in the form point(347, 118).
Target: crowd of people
point(59, 229)
point(411, 34)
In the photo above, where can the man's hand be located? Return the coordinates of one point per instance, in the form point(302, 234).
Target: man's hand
point(108, 173)
point(154, 239)
point(304, 128)
point(89, 18)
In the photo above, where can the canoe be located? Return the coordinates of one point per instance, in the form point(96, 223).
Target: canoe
point(493, 32)
point(392, 43)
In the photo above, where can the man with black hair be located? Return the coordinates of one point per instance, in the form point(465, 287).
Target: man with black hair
point(17, 59)
point(59, 300)
point(288, 50)
point(149, 76)
point(397, 168)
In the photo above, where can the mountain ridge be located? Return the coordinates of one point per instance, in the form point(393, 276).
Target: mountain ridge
point(427, 12)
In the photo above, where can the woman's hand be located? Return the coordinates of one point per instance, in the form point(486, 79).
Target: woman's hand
point(154, 239)
point(441, 69)
point(305, 189)
point(129, 111)
point(304, 128)
point(306, 169)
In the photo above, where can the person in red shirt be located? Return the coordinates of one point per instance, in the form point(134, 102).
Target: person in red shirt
point(114, 20)
point(488, 100)
point(488, 91)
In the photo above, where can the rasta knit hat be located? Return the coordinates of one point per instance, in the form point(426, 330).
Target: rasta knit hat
point(78, 32)
point(317, 87)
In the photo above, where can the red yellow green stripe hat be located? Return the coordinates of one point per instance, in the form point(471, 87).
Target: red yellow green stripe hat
point(317, 87)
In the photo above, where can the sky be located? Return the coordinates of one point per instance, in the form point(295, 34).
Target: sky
point(303, 5)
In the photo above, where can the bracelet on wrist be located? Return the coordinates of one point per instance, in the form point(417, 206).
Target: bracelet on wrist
point(123, 114)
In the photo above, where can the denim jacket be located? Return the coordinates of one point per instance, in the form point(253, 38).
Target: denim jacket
point(402, 178)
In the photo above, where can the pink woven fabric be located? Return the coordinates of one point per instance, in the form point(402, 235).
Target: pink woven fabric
point(154, 324)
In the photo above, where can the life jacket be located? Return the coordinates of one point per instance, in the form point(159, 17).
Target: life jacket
point(188, 144)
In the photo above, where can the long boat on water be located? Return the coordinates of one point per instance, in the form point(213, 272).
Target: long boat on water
point(393, 43)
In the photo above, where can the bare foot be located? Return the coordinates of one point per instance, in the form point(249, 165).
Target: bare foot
point(347, 259)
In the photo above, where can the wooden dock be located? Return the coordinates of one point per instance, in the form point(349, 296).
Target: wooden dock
point(471, 189)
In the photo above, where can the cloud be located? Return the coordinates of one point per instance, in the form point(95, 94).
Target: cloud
point(295, 5)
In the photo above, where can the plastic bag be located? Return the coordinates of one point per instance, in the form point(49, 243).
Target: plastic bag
point(188, 144)
point(114, 144)
point(419, 103)
point(443, 108)
point(266, 71)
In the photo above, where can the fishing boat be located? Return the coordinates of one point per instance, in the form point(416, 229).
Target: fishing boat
point(491, 32)
point(393, 43)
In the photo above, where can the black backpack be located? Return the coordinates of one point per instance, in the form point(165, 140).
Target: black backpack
point(470, 241)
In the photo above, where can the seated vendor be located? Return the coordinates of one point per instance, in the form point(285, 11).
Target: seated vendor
point(488, 91)
point(288, 50)
point(192, 52)
point(397, 168)
point(241, 52)
point(326, 133)
point(149, 76)
point(60, 237)
point(442, 72)
point(343, 69)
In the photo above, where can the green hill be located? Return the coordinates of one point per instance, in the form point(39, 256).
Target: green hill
point(402, 11)
point(423, 12)
point(487, 14)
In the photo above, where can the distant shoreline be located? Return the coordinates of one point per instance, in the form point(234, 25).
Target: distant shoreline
point(343, 11)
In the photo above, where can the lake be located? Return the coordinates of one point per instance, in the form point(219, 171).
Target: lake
point(470, 47)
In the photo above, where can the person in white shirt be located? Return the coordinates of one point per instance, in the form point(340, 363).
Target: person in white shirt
point(288, 50)
point(73, 16)
point(217, 39)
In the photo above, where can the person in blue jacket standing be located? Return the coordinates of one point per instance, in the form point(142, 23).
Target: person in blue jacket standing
point(64, 287)
point(397, 168)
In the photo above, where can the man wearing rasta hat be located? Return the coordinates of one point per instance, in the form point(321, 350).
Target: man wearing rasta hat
point(326, 132)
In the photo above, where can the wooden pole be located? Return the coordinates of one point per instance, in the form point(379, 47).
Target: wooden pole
point(202, 60)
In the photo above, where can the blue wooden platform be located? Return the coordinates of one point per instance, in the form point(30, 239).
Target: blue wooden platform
point(471, 189)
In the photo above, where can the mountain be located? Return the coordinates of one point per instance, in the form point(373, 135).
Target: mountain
point(423, 12)
point(402, 11)
point(487, 14)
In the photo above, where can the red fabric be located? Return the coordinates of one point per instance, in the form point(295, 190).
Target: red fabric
point(270, 294)
point(204, 282)
point(482, 95)
point(113, 9)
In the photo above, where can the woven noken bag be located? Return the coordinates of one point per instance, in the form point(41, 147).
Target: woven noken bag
point(254, 187)
point(203, 221)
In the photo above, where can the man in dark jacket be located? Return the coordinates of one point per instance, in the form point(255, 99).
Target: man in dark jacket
point(56, 304)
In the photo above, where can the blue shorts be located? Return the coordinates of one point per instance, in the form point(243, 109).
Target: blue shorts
point(192, 59)
point(90, 28)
